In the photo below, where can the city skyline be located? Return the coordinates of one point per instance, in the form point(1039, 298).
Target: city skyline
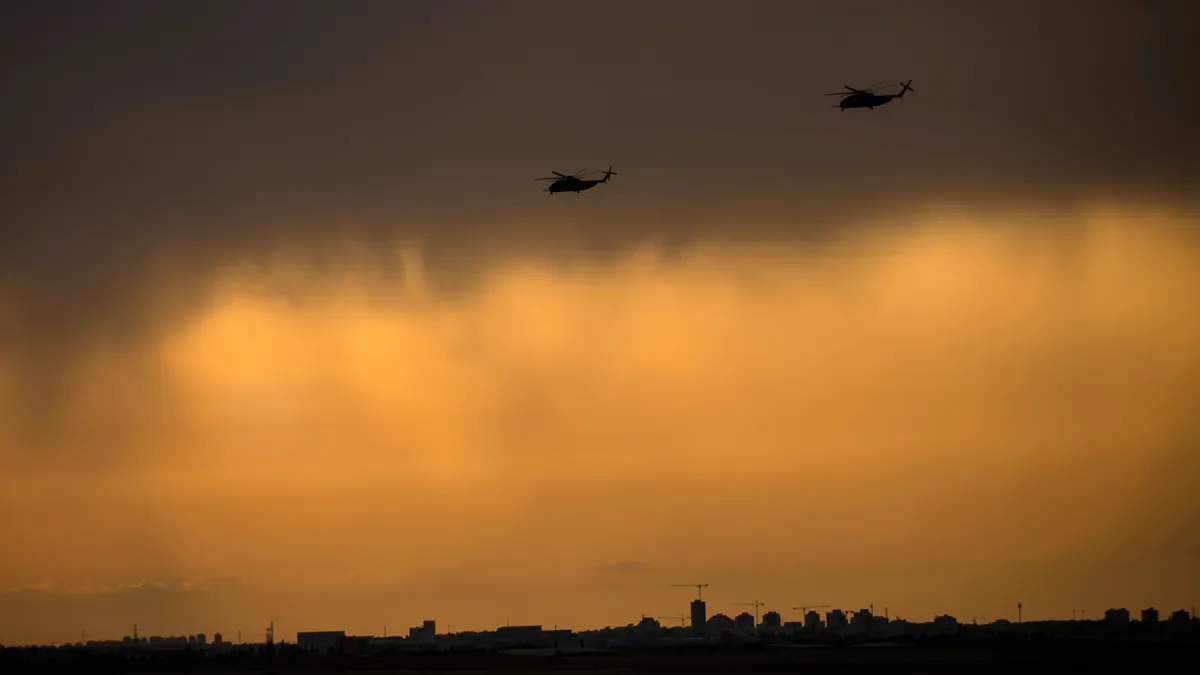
point(833, 622)
point(247, 632)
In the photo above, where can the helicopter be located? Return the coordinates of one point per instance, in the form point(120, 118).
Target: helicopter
point(575, 182)
point(867, 98)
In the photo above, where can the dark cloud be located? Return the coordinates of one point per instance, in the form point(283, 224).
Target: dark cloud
point(149, 143)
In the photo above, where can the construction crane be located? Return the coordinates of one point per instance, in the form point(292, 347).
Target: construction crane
point(756, 604)
point(805, 609)
point(699, 589)
point(682, 619)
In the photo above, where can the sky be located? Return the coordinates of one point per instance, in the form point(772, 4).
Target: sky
point(288, 331)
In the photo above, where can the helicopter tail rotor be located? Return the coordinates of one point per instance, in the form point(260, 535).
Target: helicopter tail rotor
point(905, 88)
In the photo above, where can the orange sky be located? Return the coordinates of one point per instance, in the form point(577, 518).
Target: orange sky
point(952, 416)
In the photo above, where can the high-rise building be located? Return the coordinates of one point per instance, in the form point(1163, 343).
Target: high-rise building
point(1149, 615)
point(812, 620)
point(699, 617)
point(772, 620)
point(835, 620)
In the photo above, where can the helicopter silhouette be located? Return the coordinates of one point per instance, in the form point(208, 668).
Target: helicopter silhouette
point(574, 182)
point(867, 98)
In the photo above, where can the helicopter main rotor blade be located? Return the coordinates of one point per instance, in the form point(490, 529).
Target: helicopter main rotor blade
point(866, 90)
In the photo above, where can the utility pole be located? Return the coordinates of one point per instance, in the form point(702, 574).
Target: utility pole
point(1019, 607)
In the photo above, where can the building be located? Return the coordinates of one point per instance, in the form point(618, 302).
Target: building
point(699, 617)
point(1117, 617)
point(321, 642)
point(218, 639)
point(835, 620)
point(1181, 616)
point(945, 624)
point(519, 635)
point(720, 624)
point(772, 620)
point(1149, 615)
point(744, 622)
point(425, 634)
point(860, 622)
point(812, 620)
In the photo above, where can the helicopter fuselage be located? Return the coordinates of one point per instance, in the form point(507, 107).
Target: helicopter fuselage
point(865, 100)
point(572, 185)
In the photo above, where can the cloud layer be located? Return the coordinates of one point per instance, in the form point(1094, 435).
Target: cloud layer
point(942, 415)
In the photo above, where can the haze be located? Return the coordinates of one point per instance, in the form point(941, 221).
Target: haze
point(288, 332)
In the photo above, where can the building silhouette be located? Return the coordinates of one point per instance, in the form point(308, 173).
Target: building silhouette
point(425, 634)
point(772, 619)
point(720, 624)
point(812, 620)
point(1149, 615)
point(699, 617)
point(835, 620)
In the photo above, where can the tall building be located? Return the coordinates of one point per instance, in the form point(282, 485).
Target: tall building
point(1150, 615)
point(772, 620)
point(835, 620)
point(699, 617)
point(812, 620)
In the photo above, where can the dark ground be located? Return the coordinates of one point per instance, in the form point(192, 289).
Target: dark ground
point(1062, 657)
